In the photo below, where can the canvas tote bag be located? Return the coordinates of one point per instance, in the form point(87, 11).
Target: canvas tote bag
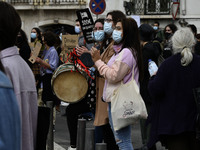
point(127, 105)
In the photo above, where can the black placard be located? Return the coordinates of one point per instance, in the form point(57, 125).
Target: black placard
point(87, 23)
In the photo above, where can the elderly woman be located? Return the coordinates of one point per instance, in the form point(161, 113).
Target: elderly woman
point(174, 110)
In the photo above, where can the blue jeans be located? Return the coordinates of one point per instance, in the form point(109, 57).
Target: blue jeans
point(122, 136)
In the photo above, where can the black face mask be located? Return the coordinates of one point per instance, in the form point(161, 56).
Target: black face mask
point(19, 41)
point(167, 35)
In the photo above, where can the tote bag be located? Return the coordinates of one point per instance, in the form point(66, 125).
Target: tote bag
point(127, 105)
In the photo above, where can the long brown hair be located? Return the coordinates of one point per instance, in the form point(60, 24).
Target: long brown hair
point(131, 40)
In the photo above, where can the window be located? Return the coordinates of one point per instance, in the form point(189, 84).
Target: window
point(157, 6)
point(147, 7)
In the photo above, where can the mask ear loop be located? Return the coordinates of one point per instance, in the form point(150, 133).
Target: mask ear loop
point(93, 35)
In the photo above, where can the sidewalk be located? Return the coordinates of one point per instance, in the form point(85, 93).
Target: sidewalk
point(58, 147)
point(61, 134)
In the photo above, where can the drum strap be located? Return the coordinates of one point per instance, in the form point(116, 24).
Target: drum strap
point(75, 58)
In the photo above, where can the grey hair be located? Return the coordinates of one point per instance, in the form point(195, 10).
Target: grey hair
point(182, 42)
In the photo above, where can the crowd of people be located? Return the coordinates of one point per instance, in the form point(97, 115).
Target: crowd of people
point(120, 47)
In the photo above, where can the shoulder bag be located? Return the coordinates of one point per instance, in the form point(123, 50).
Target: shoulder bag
point(127, 105)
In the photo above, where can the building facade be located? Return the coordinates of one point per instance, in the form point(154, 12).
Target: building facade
point(57, 13)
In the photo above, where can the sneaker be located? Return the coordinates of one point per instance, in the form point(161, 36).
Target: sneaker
point(70, 148)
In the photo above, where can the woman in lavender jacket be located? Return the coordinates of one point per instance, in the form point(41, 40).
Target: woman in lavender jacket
point(119, 68)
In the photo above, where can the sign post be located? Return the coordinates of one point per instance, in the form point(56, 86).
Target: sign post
point(97, 6)
point(175, 8)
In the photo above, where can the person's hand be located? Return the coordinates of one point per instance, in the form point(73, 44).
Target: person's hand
point(38, 60)
point(95, 54)
point(81, 50)
point(154, 73)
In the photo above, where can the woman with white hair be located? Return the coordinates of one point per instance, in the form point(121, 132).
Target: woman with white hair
point(174, 111)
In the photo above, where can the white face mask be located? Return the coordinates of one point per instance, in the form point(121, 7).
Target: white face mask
point(108, 27)
point(99, 35)
point(60, 36)
point(77, 29)
point(155, 27)
point(33, 35)
point(117, 36)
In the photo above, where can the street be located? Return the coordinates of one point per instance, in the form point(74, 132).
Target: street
point(61, 135)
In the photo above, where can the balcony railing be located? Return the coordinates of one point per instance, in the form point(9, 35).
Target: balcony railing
point(148, 7)
point(44, 2)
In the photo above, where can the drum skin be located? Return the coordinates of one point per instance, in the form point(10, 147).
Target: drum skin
point(68, 84)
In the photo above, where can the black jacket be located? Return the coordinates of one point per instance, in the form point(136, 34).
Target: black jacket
point(150, 51)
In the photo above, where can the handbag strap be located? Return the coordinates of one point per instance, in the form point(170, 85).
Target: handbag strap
point(119, 58)
point(132, 76)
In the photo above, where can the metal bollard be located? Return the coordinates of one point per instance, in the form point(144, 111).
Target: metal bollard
point(89, 139)
point(50, 137)
point(101, 146)
point(81, 134)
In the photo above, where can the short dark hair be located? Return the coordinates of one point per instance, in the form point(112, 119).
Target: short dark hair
point(156, 22)
point(172, 26)
point(10, 25)
point(116, 15)
point(146, 32)
point(99, 20)
point(49, 38)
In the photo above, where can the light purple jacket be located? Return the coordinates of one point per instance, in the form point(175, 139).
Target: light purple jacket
point(119, 67)
point(23, 82)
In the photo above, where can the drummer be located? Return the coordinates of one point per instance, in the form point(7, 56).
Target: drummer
point(73, 110)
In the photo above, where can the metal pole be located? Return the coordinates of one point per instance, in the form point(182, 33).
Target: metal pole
point(81, 134)
point(101, 146)
point(89, 139)
point(50, 137)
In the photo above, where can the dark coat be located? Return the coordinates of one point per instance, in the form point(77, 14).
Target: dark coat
point(174, 109)
point(25, 52)
point(150, 51)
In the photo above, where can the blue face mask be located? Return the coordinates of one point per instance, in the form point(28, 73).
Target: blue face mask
point(99, 35)
point(77, 29)
point(33, 35)
point(108, 27)
point(117, 36)
point(155, 27)
point(60, 36)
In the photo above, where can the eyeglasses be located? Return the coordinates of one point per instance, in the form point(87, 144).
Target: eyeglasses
point(108, 20)
point(99, 28)
point(117, 28)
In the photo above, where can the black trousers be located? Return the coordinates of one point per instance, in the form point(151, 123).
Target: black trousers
point(72, 113)
point(42, 127)
point(183, 141)
point(47, 93)
point(109, 137)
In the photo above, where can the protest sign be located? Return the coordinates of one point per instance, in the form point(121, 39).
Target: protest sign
point(35, 52)
point(87, 23)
